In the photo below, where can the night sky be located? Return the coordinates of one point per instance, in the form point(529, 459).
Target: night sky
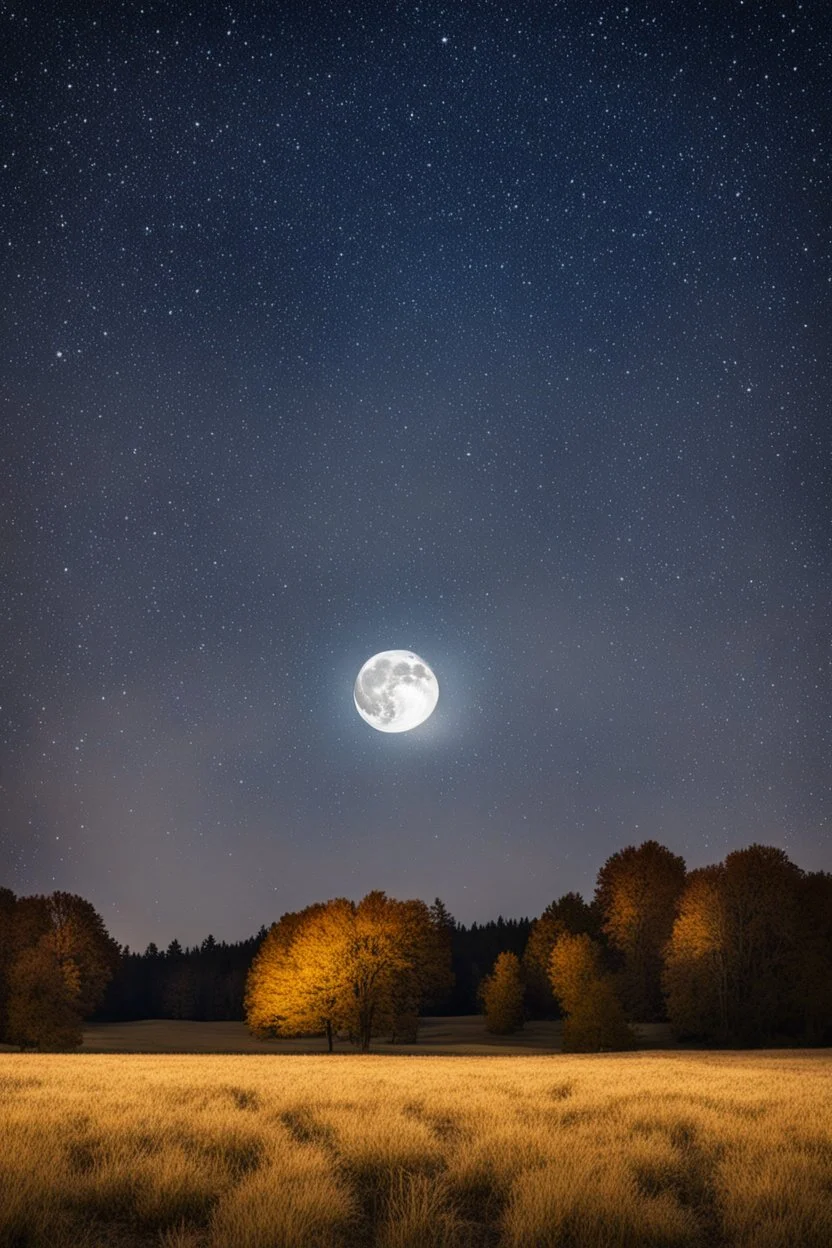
point(498, 332)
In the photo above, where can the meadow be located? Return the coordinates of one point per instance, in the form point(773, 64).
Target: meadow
point(308, 1151)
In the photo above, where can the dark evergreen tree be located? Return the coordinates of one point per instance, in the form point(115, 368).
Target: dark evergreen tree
point(206, 983)
point(475, 950)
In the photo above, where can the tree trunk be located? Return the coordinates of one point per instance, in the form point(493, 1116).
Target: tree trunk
point(366, 1028)
point(329, 1035)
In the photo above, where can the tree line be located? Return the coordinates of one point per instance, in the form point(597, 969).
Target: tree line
point(739, 953)
point(207, 981)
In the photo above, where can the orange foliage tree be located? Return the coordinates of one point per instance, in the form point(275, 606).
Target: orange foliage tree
point(637, 893)
point(502, 996)
point(594, 1019)
point(570, 913)
point(42, 1010)
point(56, 963)
point(87, 955)
point(735, 966)
point(424, 939)
point(695, 974)
point(343, 966)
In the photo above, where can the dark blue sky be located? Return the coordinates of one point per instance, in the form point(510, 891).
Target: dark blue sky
point(498, 332)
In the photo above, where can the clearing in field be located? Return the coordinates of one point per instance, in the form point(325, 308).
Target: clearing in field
point(257, 1151)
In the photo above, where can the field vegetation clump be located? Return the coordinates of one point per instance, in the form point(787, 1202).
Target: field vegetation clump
point(631, 1150)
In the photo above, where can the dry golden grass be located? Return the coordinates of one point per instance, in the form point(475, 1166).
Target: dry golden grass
point(641, 1150)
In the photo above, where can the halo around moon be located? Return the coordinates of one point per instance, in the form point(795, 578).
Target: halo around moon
point(395, 691)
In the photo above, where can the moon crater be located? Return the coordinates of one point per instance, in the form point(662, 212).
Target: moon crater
point(395, 691)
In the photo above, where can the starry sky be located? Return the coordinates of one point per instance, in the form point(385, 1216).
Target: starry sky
point(496, 332)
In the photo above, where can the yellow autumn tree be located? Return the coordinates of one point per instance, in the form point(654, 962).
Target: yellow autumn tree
point(637, 894)
point(295, 984)
point(594, 1019)
point(502, 996)
point(570, 913)
point(358, 968)
point(696, 959)
point(379, 952)
point(42, 1010)
point(425, 940)
point(731, 962)
point(86, 953)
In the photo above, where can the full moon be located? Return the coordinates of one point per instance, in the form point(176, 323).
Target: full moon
point(395, 691)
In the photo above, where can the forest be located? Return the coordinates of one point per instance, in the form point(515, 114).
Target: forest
point(734, 954)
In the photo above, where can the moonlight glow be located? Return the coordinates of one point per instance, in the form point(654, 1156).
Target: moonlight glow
point(395, 691)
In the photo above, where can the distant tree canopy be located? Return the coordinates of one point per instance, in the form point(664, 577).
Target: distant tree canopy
point(207, 982)
point(363, 969)
point(737, 953)
point(56, 960)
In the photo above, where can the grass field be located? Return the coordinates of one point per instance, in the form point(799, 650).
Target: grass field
point(466, 1034)
point(255, 1151)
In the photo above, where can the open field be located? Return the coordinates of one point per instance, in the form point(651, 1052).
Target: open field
point(463, 1035)
point(253, 1151)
